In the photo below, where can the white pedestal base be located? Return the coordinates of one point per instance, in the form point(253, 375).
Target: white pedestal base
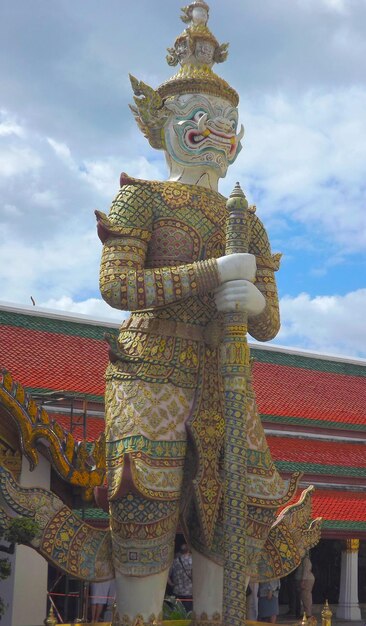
point(348, 605)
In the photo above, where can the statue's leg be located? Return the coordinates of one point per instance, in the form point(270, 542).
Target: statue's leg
point(208, 578)
point(146, 446)
point(208, 582)
point(143, 533)
point(146, 593)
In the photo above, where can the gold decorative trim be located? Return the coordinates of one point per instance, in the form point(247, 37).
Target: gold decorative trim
point(192, 79)
point(10, 459)
point(69, 458)
point(352, 545)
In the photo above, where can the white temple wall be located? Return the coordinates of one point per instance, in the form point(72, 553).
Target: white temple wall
point(26, 589)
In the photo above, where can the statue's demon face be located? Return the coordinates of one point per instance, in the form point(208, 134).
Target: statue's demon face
point(201, 131)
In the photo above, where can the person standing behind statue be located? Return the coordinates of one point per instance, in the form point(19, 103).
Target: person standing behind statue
point(294, 602)
point(180, 576)
point(268, 607)
point(101, 595)
point(305, 582)
point(252, 601)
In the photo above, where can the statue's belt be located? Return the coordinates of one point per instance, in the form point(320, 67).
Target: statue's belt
point(210, 334)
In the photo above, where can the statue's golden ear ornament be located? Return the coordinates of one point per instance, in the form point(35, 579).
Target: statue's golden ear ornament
point(149, 112)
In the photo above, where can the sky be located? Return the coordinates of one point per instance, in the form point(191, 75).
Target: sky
point(66, 133)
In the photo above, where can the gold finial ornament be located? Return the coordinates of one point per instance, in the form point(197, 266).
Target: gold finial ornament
point(326, 615)
point(196, 50)
point(199, 15)
point(50, 619)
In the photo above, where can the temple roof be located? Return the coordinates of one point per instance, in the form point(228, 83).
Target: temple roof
point(330, 458)
point(53, 353)
point(341, 511)
point(48, 351)
point(95, 426)
point(313, 405)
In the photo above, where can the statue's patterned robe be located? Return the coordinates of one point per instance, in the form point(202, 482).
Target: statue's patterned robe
point(164, 397)
point(164, 404)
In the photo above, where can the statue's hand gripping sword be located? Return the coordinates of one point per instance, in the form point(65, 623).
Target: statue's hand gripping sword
point(235, 368)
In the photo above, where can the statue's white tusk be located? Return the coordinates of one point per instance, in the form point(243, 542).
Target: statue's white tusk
point(202, 123)
point(240, 135)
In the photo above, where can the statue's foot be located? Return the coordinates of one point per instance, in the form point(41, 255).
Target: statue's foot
point(204, 620)
point(125, 620)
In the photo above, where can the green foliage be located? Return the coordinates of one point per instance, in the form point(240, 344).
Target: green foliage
point(3, 607)
point(5, 568)
point(173, 609)
point(21, 530)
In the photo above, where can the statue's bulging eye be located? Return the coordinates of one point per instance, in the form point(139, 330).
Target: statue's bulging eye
point(197, 116)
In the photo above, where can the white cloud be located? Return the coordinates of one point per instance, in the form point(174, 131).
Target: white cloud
point(46, 199)
point(304, 157)
point(103, 175)
point(65, 263)
point(94, 308)
point(333, 324)
point(62, 151)
point(335, 5)
point(10, 210)
point(15, 161)
point(9, 125)
point(338, 6)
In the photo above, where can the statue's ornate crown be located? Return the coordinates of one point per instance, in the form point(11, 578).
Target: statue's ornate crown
point(196, 50)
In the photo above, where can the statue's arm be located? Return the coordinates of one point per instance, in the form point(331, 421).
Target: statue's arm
point(125, 283)
point(266, 325)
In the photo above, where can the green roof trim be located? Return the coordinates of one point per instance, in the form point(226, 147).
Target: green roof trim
point(92, 514)
point(304, 421)
point(52, 325)
point(343, 525)
point(307, 362)
point(317, 468)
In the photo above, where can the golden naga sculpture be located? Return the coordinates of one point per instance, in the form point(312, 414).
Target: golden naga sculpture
point(71, 459)
point(170, 258)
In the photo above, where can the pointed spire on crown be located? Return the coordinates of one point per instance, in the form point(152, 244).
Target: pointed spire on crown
point(197, 50)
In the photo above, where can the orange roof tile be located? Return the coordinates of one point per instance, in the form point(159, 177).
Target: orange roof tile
point(94, 426)
point(340, 505)
point(310, 394)
point(46, 353)
point(332, 453)
point(46, 360)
